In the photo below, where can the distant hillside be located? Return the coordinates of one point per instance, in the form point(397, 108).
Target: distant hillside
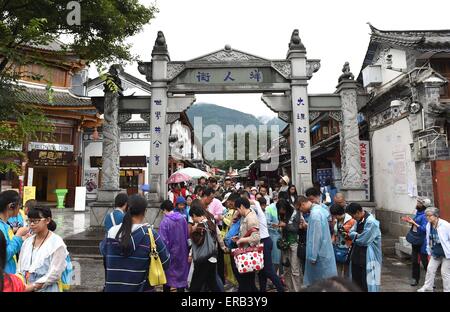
point(217, 115)
point(221, 116)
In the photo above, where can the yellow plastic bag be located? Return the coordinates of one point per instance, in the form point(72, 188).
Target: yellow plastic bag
point(156, 275)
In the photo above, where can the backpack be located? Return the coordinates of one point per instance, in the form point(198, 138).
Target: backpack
point(67, 276)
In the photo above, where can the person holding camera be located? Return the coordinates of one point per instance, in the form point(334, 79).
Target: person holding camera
point(416, 237)
point(343, 222)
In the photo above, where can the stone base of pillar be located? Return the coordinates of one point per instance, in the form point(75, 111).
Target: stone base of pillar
point(154, 197)
point(98, 212)
point(104, 195)
point(153, 215)
point(103, 206)
point(354, 194)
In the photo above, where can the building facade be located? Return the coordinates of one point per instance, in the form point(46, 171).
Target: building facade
point(406, 76)
point(53, 160)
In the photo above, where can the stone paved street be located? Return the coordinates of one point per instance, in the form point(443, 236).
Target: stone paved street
point(395, 276)
point(395, 272)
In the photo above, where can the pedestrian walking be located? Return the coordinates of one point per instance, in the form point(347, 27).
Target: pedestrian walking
point(320, 260)
point(127, 250)
point(274, 232)
point(284, 184)
point(438, 247)
point(417, 238)
point(228, 220)
point(215, 207)
point(315, 196)
point(9, 200)
point(181, 208)
point(292, 195)
point(289, 224)
point(268, 271)
point(365, 257)
point(116, 216)
point(248, 236)
point(174, 233)
point(18, 218)
point(9, 282)
point(42, 259)
point(204, 250)
point(342, 224)
point(339, 199)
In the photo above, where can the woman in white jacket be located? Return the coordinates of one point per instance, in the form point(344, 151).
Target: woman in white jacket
point(42, 259)
point(438, 247)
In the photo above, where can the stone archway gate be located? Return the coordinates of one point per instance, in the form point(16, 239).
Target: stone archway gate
point(283, 84)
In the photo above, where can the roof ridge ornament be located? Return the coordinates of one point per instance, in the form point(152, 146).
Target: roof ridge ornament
point(373, 28)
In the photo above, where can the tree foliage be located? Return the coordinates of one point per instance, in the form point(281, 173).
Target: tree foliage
point(99, 38)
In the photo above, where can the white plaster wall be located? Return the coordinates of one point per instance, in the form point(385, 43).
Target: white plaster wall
point(394, 173)
point(398, 62)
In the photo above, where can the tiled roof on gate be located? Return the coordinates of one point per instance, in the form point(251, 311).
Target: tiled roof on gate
point(424, 40)
point(61, 98)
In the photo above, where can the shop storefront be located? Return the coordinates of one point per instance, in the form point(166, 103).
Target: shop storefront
point(50, 168)
point(132, 176)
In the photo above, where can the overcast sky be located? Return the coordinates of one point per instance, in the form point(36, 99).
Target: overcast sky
point(332, 31)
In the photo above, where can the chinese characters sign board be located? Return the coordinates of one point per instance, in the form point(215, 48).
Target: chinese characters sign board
point(301, 123)
point(50, 158)
point(228, 76)
point(125, 161)
point(364, 154)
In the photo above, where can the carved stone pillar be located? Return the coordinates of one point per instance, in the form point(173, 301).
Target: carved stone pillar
point(109, 187)
point(299, 129)
point(350, 160)
point(158, 126)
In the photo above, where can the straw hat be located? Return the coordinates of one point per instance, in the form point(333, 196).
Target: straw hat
point(286, 179)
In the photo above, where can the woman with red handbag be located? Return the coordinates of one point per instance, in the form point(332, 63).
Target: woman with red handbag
point(248, 237)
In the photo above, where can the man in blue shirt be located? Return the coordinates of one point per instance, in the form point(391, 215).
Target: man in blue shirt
point(116, 216)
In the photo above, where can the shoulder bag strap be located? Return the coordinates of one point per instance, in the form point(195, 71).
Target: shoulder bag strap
point(112, 218)
point(152, 240)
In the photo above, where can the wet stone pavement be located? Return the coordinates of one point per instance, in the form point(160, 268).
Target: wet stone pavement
point(89, 272)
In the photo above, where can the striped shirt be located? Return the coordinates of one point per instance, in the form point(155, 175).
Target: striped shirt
point(127, 271)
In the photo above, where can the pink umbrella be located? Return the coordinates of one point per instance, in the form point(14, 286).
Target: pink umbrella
point(178, 177)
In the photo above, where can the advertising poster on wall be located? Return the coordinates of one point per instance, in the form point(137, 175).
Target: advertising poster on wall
point(91, 181)
point(29, 192)
point(400, 179)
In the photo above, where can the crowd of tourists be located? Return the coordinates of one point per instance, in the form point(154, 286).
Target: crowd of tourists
point(242, 238)
point(224, 237)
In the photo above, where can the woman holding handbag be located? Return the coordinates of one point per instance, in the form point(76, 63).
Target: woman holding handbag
point(134, 252)
point(204, 249)
point(416, 237)
point(248, 236)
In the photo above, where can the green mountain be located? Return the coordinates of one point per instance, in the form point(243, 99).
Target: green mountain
point(217, 115)
point(221, 116)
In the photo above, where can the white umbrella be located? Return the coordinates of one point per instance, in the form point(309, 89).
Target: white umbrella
point(194, 172)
